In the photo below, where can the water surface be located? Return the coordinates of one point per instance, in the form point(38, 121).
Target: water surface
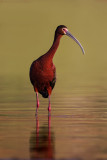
point(77, 125)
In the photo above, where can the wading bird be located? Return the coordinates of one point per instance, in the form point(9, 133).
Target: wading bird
point(43, 71)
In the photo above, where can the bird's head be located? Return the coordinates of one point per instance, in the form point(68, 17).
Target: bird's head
point(63, 30)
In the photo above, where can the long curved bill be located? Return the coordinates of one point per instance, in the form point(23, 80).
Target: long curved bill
point(71, 36)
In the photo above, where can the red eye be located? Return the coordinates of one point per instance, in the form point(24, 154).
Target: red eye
point(64, 29)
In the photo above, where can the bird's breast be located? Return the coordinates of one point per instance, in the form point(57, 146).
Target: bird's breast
point(42, 72)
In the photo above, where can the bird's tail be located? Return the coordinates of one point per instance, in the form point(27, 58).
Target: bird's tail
point(44, 93)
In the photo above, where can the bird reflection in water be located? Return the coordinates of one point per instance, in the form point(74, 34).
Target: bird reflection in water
point(42, 141)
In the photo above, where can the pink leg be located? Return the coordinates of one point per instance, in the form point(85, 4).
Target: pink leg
point(37, 101)
point(49, 107)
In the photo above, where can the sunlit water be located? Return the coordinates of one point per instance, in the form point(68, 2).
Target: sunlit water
point(76, 129)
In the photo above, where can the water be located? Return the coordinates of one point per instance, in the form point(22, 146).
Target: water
point(77, 127)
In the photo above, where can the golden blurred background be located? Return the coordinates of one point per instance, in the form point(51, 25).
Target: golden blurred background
point(27, 31)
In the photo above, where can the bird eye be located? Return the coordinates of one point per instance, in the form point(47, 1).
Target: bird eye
point(64, 30)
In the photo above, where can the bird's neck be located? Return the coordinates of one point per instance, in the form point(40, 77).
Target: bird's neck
point(54, 46)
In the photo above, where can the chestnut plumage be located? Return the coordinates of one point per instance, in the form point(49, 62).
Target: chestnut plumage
point(43, 71)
